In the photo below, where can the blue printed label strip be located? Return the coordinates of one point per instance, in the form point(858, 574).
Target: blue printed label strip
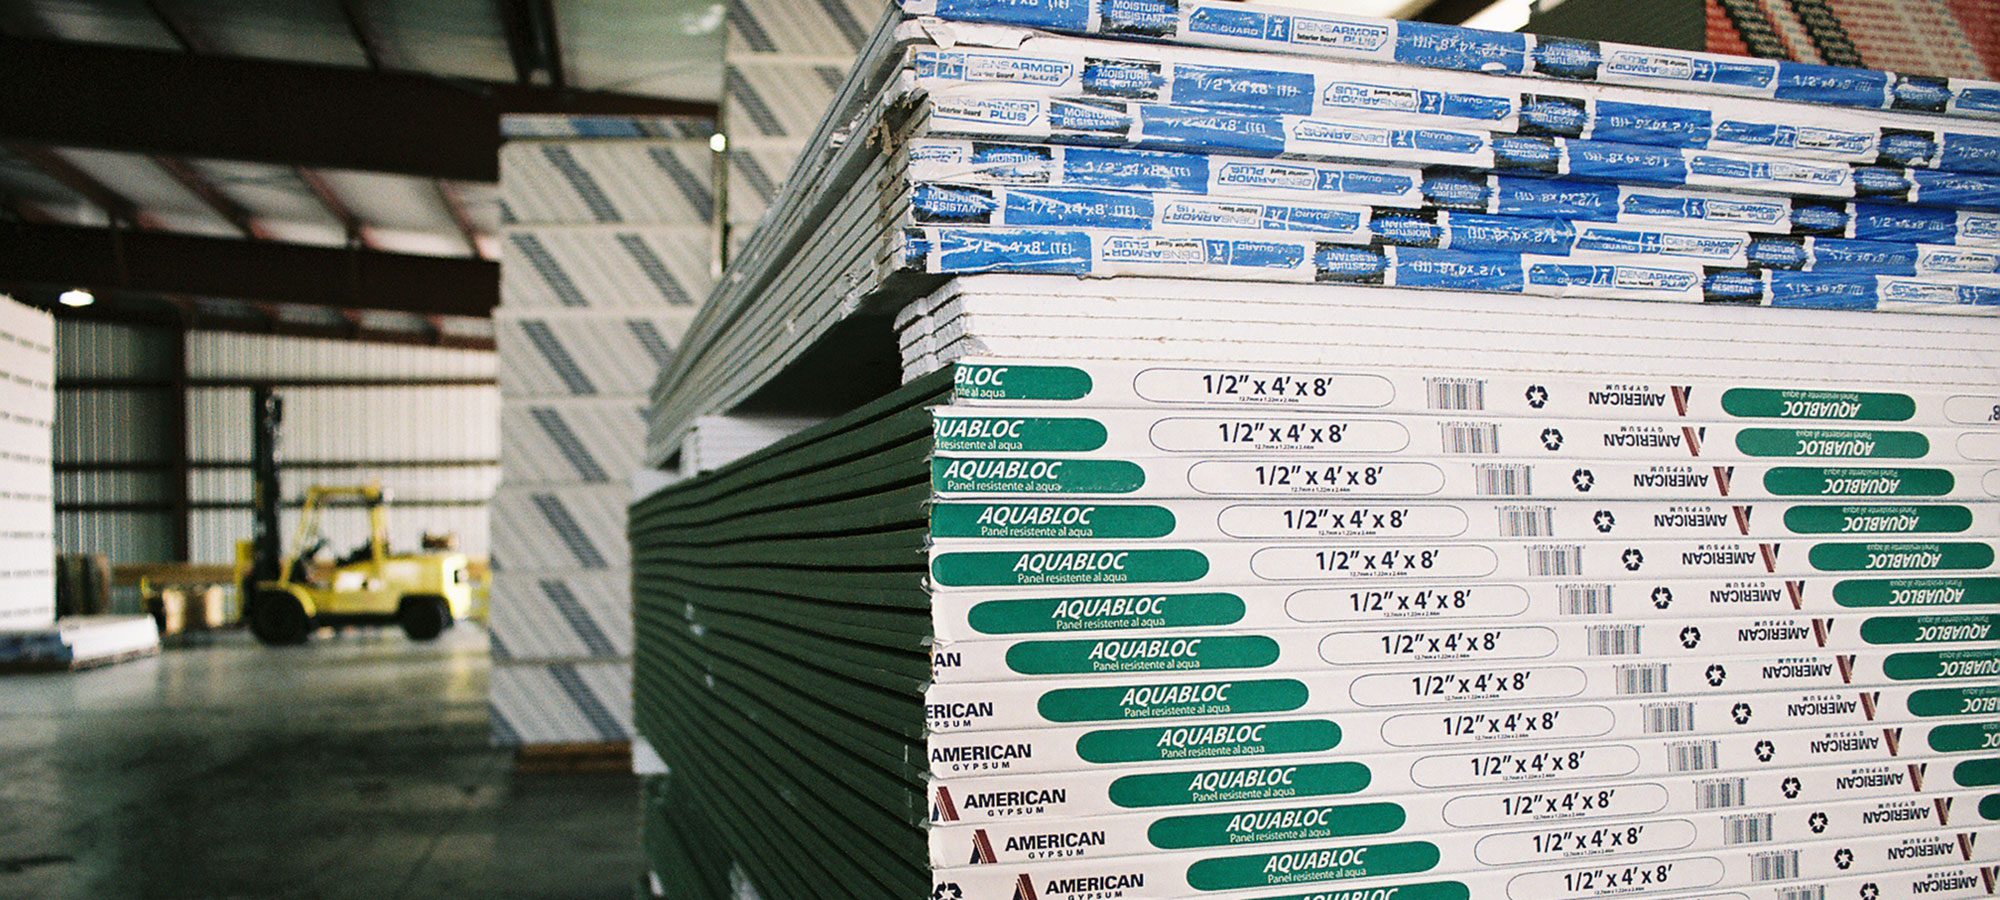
point(1260, 27)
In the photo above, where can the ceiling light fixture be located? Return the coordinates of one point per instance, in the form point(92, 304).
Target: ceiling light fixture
point(76, 297)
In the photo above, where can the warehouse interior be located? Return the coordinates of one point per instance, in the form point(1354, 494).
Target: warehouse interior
point(549, 448)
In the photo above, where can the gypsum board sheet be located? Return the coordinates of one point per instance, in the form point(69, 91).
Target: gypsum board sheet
point(935, 203)
point(1019, 118)
point(1056, 66)
point(894, 590)
point(1266, 335)
point(863, 753)
point(861, 855)
point(680, 849)
point(833, 492)
point(877, 551)
point(867, 689)
point(1225, 255)
point(903, 671)
point(732, 804)
point(1503, 318)
point(1278, 31)
point(895, 507)
point(1090, 431)
point(1014, 383)
point(978, 523)
point(842, 439)
point(830, 612)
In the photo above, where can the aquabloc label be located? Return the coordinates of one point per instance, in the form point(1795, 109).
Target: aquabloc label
point(1366, 561)
point(1177, 698)
point(1020, 612)
point(1421, 817)
point(1253, 476)
point(1073, 388)
point(1404, 868)
point(1225, 784)
point(1142, 432)
point(1215, 520)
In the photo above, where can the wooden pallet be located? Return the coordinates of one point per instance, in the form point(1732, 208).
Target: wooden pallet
point(574, 758)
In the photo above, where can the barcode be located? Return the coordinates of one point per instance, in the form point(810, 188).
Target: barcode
point(1804, 892)
point(1527, 521)
point(1503, 481)
point(1749, 828)
point(1456, 393)
point(1614, 640)
point(1471, 437)
point(1722, 793)
point(1648, 679)
point(1667, 718)
point(1584, 599)
point(1693, 756)
point(1555, 561)
point(1774, 865)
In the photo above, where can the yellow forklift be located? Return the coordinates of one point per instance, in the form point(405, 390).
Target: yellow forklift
point(287, 597)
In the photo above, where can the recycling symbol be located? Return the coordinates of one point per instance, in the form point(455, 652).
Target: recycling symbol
point(1604, 520)
point(1538, 396)
point(1766, 751)
point(1633, 559)
point(1870, 892)
point(1663, 597)
point(1583, 480)
point(1690, 637)
point(1552, 439)
point(1741, 713)
point(1817, 822)
point(1843, 859)
point(1792, 787)
point(947, 891)
point(1717, 675)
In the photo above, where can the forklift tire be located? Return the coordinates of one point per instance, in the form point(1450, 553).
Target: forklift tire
point(279, 619)
point(424, 618)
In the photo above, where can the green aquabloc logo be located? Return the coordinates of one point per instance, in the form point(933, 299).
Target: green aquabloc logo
point(1294, 823)
point(1978, 773)
point(1883, 593)
point(1966, 737)
point(1878, 519)
point(1011, 434)
point(988, 382)
point(988, 568)
point(1240, 785)
point(1852, 406)
point(1063, 521)
point(1989, 807)
point(1930, 629)
point(1043, 615)
point(1931, 703)
point(1308, 866)
point(1165, 654)
point(1899, 556)
point(1166, 701)
point(1035, 475)
point(1187, 742)
point(1810, 481)
point(1942, 664)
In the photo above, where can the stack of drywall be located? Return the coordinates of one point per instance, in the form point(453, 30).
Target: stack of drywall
point(606, 254)
point(1508, 598)
point(27, 505)
point(1489, 162)
point(781, 67)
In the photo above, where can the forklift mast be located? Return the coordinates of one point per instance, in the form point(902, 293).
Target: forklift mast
point(267, 410)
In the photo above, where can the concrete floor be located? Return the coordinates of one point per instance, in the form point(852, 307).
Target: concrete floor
point(357, 766)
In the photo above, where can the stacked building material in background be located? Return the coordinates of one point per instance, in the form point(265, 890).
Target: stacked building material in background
point(27, 505)
point(782, 64)
point(607, 252)
point(1928, 37)
point(1376, 542)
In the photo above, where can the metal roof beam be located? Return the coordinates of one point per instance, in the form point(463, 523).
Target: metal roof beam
point(254, 271)
point(205, 107)
point(187, 176)
point(365, 34)
point(532, 41)
point(454, 203)
point(117, 207)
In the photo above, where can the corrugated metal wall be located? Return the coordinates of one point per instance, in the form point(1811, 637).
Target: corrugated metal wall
point(424, 421)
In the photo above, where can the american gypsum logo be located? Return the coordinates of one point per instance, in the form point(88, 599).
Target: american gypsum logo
point(1743, 519)
point(1694, 438)
point(943, 810)
point(1682, 394)
point(982, 849)
point(1797, 590)
point(1868, 701)
point(1722, 474)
